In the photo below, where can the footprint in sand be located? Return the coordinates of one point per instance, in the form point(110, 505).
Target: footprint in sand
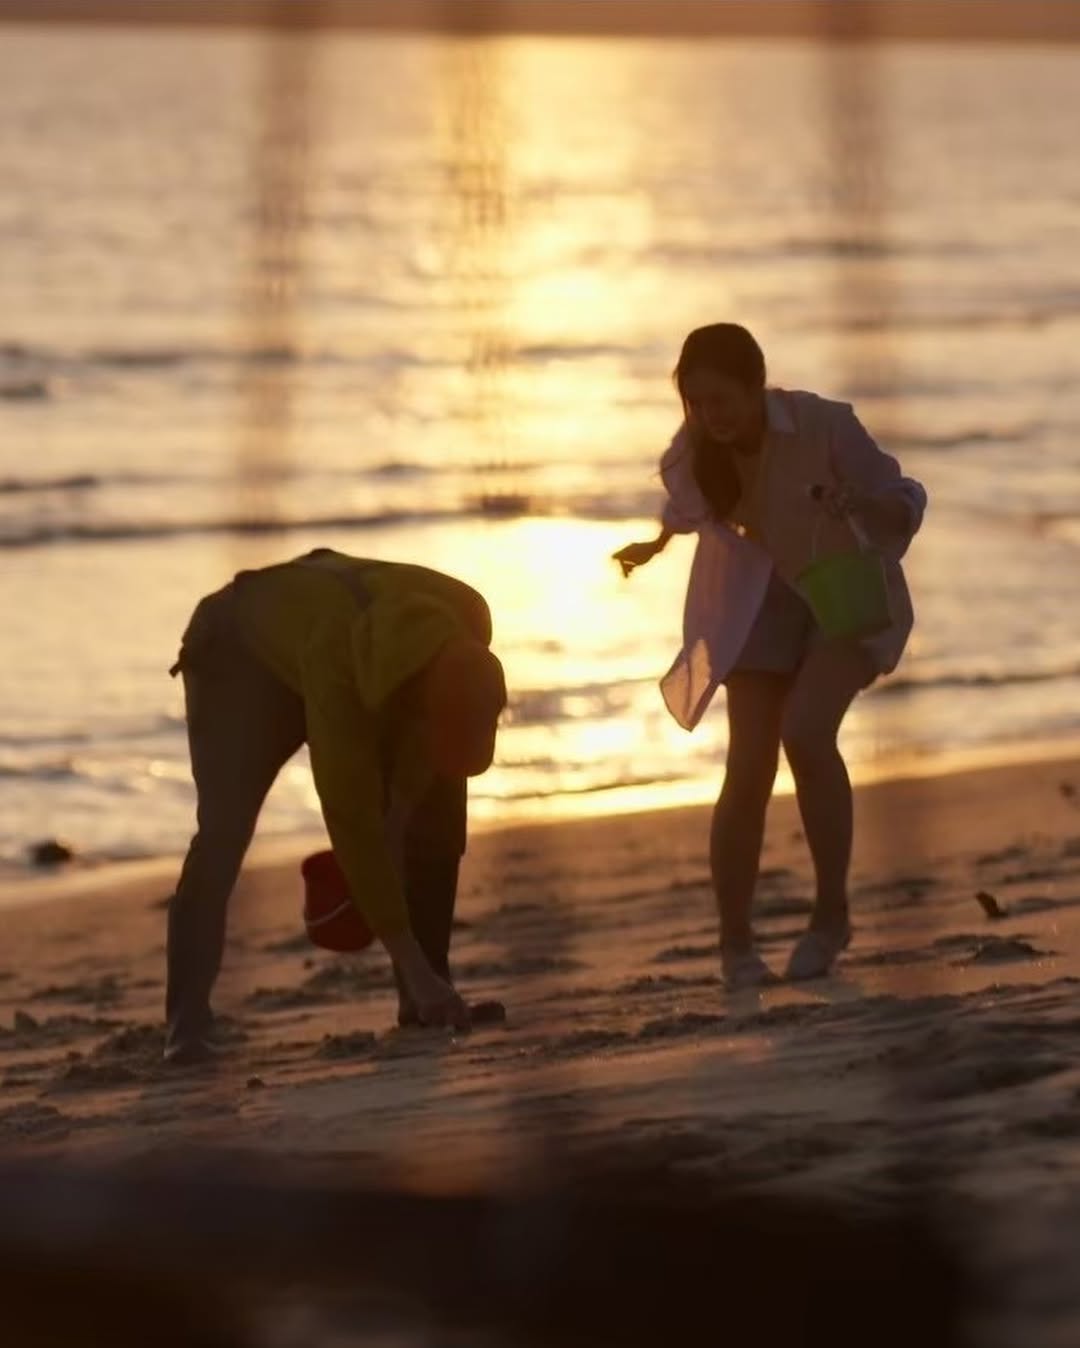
point(649, 983)
point(781, 905)
point(676, 954)
point(1033, 875)
point(1041, 903)
point(688, 1024)
point(93, 1076)
point(523, 966)
point(357, 1044)
point(104, 991)
point(33, 1121)
point(583, 1042)
point(289, 945)
point(331, 983)
point(885, 959)
point(1014, 853)
point(1053, 1125)
point(990, 1074)
point(129, 1055)
point(902, 888)
point(29, 1032)
point(285, 999)
point(1004, 950)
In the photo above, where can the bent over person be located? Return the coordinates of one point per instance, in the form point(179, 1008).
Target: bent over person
point(384, 669)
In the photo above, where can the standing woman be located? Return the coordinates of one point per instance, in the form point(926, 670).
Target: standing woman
point(769, 480)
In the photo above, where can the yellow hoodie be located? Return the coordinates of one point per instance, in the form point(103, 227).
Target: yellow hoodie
point(345, 634)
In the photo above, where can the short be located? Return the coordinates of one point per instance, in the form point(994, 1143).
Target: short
point(782, 634)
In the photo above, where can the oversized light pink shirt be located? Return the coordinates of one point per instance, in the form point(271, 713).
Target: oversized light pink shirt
point(808, 441)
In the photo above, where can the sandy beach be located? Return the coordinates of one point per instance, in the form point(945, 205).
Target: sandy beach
point(943, 1048)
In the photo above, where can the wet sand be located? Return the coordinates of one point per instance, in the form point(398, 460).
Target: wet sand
point(944, 1049)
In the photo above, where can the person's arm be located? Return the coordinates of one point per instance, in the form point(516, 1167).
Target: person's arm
point(869, 484)
point(348, 779)
point(684, 509)
point(637, 554)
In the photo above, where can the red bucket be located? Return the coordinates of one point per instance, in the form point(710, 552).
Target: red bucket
point(332, 919)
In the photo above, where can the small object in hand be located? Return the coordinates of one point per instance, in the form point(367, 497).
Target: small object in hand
point(990, 906)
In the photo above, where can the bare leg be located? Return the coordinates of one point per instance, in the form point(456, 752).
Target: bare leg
point(826, 685)
point(243, 724)
point(755, 704)
point(433, 844)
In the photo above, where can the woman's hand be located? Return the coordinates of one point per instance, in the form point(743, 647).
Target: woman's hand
point(435, 1000)
point(637, 554)
point(888, 512)
point(840, 499)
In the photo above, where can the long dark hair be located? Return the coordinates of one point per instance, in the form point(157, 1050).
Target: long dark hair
point(730, 350)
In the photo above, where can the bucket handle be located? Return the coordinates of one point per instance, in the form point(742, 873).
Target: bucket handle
point(815, 491)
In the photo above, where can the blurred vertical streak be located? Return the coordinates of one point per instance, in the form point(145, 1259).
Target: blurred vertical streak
point(474, 126)
point(856, 95)
point(868, 366)
point(269, 321)
point(478, 148)
point(270, 317)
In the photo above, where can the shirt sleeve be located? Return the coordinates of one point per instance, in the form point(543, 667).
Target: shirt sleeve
point(856, 458)
point(348, 779)
point(684, 510)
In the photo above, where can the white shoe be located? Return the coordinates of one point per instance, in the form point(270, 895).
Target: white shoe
point(815, 953)
point(744, 969)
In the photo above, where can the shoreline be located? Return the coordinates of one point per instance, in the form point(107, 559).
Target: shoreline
point(31, 886)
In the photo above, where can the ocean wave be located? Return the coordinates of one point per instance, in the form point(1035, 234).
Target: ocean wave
point(621, 782)
point(388, 471)
point(45, 533)
point(56, 770)
point(11, 486)
point(397, 468)
point(545, 351)
point(914, 682)
point(25, 390)
point(151, 358)
point(17, 532)
point(102, 733)
point(29, 377)
point(845, 246)
point(977, 435)
point(597, 701)
point(28, 360)
point(1028, 315)
point(801, 248)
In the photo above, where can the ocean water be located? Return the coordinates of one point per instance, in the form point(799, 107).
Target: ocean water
point(419, 297)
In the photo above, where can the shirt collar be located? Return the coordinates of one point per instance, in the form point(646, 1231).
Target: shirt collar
point(777, 413)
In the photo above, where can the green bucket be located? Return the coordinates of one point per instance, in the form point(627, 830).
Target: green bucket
point(847, 594)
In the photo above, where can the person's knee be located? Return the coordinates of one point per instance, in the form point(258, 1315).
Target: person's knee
point(221, 841)
point(749, 779)
point(809, 747)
